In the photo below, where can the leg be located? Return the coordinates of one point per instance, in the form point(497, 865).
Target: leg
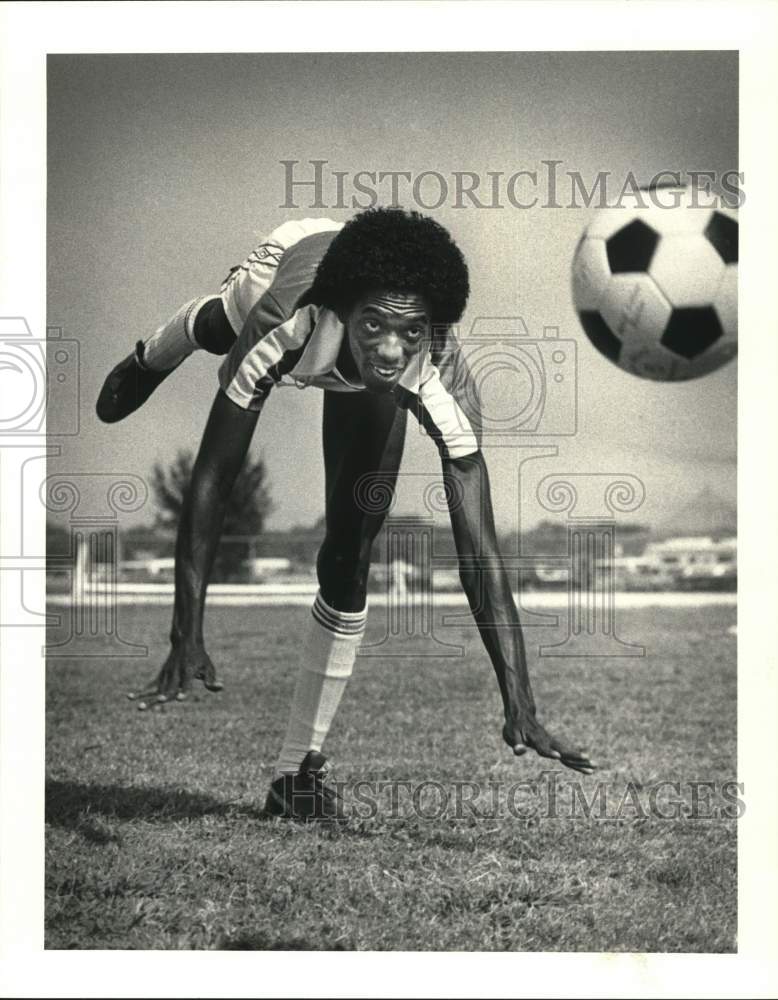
point(201, 323)
point(362, 434)
point(212, 323)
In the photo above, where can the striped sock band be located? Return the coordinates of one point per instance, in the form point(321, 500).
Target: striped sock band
point(173, 341)
point(339, 622)
point(328, 649)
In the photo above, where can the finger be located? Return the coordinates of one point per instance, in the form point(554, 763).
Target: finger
point(166, 699)
point(582, 762)
point(519, 749)
point(145, 699)
point(207, 674)
point(574, 755)
point(147, 692)
point(568, 754)
point(170, 686)
point(149, 699)
point(577, 761)
point(578, 766)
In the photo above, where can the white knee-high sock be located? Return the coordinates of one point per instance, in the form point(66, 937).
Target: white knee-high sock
point(327, 659)
point(174, 340)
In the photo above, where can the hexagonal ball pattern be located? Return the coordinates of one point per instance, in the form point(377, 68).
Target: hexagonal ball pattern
point(632, 248)
point(722, 233)
point(600, 334)
point(670, 211)
point(687, 269)
point(607, 221)
point(591, 273)
point(690, 332)
point(715, 357)
point(635, 309)
point(730, 212)
point(676, 212)
point(725, 302)
point(654, 362)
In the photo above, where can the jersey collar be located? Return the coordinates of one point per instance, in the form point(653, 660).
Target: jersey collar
point(320, 354)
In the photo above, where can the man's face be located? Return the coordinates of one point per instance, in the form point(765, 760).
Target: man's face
point(385, 331)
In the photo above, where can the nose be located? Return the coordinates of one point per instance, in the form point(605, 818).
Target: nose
point(389, 350)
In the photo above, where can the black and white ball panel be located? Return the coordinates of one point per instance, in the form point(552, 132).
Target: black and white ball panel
point(722, 234)
point(632, 248)
point(656, 288)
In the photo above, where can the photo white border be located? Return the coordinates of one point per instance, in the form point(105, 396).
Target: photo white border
point(28, 32)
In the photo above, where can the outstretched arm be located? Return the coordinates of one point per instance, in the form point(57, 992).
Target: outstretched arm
point(222, 452)
point(488, 591)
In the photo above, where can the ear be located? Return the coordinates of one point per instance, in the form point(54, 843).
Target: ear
point(346, 307)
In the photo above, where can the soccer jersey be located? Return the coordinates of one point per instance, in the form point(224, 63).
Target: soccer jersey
point(285, 339)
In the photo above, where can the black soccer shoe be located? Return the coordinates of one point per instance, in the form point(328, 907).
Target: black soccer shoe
point(306, 795)
point(128, 387)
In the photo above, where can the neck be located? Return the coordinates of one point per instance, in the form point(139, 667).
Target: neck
point(345, 363)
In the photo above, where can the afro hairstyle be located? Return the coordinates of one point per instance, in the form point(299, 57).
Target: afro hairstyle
point(393, 250)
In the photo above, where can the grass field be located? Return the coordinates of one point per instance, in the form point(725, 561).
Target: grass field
point(154, 839)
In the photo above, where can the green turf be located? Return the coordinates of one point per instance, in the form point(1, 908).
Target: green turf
point(154, 840)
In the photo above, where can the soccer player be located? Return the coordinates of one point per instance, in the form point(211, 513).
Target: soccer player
point(363, 311)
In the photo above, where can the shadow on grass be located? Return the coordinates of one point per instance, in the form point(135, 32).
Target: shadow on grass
point(91, 809)
point(68, 803)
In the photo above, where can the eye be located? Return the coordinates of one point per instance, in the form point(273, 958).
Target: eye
point(372, 325)
point(414, 332)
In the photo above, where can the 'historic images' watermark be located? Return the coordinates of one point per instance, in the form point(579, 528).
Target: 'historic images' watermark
point(551, 796)
point(315, 183)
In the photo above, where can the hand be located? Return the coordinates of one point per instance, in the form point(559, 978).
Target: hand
point(186, 662)
point(529, 734)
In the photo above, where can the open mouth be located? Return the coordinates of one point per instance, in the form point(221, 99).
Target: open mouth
point(388, 374)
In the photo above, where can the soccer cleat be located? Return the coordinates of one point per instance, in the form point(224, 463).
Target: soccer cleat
point(128, 387)
point(305, 795)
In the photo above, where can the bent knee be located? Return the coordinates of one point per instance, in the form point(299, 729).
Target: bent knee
point(343, 575)
point(212, 330)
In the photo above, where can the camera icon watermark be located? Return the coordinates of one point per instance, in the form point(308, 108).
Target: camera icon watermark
point(35, 372)
point(502, 384)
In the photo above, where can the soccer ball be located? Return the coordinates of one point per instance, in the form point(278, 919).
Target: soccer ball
point(655, 284)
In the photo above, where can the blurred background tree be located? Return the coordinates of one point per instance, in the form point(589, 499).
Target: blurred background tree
point(248, 508)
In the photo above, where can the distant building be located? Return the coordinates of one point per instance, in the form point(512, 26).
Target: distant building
point(551, 576)
point(155, 570)
point(694, 548)
point(697, 563)
point(265, 567)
